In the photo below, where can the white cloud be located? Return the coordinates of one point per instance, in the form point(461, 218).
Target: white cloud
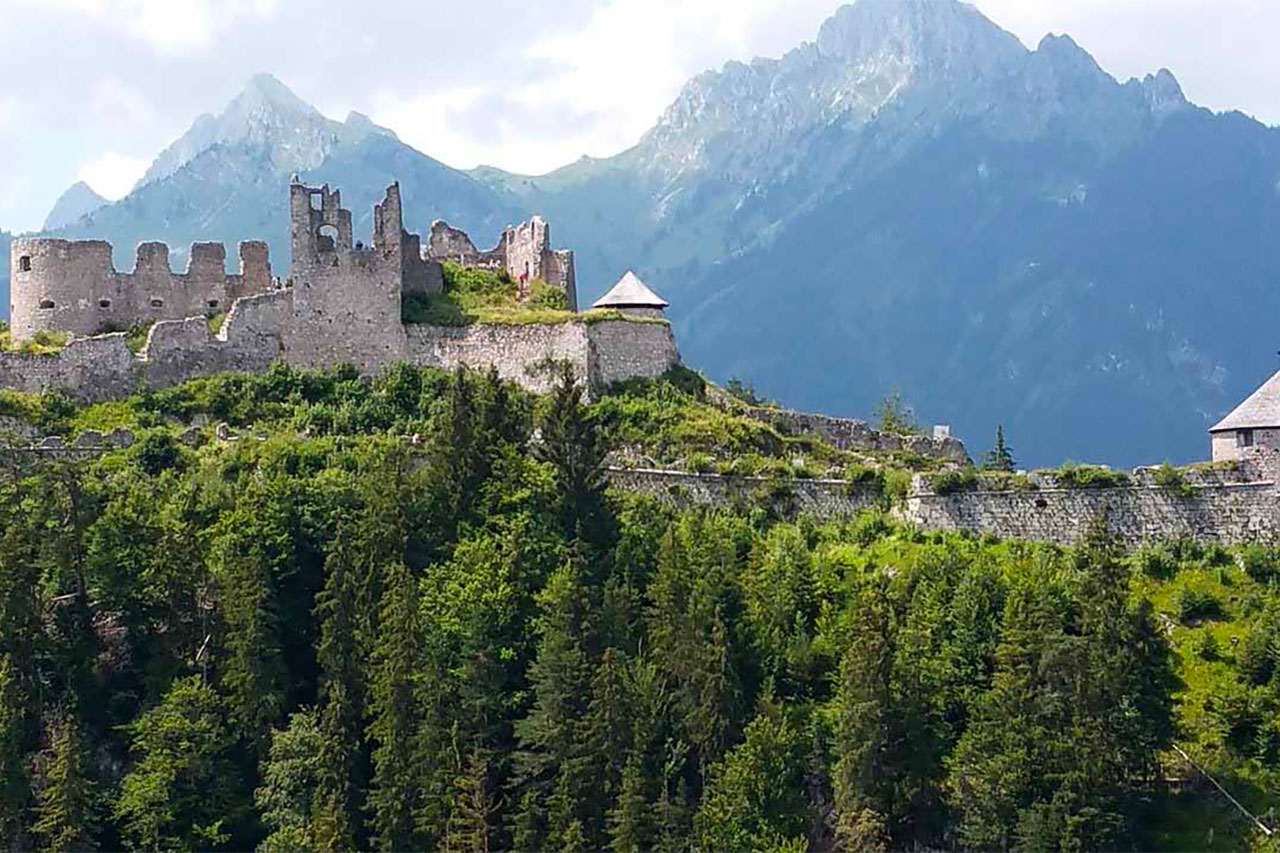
point(112, 175)
point(170, 27)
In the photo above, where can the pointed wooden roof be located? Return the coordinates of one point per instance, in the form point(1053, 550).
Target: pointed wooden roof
point(630, 292)
point(1260, 411)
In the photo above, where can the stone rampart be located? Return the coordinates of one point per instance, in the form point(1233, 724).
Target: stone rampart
point(1222, 504)
point(822, 498)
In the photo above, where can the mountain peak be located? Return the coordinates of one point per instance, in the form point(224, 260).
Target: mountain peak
point(922, 33)
point(79, 200)
point(265, 114)
point(266, 91)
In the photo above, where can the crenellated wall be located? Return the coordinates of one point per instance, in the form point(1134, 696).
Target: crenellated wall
point(72, 286)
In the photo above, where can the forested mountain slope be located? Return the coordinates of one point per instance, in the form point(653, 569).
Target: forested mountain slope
point(325, 635)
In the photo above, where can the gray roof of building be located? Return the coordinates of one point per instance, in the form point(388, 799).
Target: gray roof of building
point(1260, 411)
point(630, 292)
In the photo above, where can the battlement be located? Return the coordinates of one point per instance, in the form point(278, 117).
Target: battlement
point(523, 251)
point(73, 286)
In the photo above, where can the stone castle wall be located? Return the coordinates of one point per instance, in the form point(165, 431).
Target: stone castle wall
point(822, 498)
point(601, 352)
point(72, 286)
point(1229, 504)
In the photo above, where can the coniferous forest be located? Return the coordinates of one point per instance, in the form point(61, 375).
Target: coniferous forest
point(411, 616)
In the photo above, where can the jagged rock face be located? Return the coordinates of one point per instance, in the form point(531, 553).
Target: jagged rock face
point(267, 115)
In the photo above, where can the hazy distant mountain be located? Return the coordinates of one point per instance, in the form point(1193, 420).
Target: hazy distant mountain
point(227, 179)
point(914, 201)
point(77, 201)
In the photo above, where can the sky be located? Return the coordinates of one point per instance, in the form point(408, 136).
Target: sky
point(93, 89)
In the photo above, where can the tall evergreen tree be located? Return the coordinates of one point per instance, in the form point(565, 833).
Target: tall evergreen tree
point(573, 444)
point(338, 795)
point(1000, 457)
point(67, 800)
point(552, 760)
point(182, 791)
point(395, 790)
point(287, 796)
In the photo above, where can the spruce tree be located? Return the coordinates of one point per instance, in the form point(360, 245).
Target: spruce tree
point(1000, 457)
point(286, 797)
point(552, 760)
point(67, 800)
point(473, 820)
point(573, 444)
point(395, 790)
point(338, 806)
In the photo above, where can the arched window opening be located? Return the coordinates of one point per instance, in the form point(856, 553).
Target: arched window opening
point(157, 303)
point(46, 304)
point(213, 303)
point(317, 201)
point(24, 263)
point(104, 303)
point(326, 238)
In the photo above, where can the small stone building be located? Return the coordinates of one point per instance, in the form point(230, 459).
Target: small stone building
point(1252, 428)
point(632, 296)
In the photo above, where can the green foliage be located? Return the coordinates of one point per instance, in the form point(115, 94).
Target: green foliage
point(895, 417)
point(951, 482)
point(1260, 562)
point(182, 791)
point(1195, 604)
point(67, 803)
point(1171, 478)
point(755, 796)
point(746, 392)
point(1075, 476)
point(43, 342)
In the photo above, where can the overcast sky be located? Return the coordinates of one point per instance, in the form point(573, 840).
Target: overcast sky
point(93, 89)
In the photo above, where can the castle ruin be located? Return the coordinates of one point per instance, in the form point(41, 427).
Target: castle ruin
point(341, 303)
point(523, 251)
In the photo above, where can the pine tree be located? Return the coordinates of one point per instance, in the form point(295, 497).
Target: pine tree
point(866, 729)
point(474, 816)
point(628, 820)
point(182, 791)
point(573, 444)
point(337, 809)
point(1000, 457)
point(67, 800)
point(395, 790)
point(286, 797)
point(253, 674)
point(14, 776)
point(551, 760)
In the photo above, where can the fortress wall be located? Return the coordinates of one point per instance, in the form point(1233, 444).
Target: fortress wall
point(90, 369)
point(1219, 505)
point(66, 286)
point(823, 498)
point(623, 349)
point(522, 354)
